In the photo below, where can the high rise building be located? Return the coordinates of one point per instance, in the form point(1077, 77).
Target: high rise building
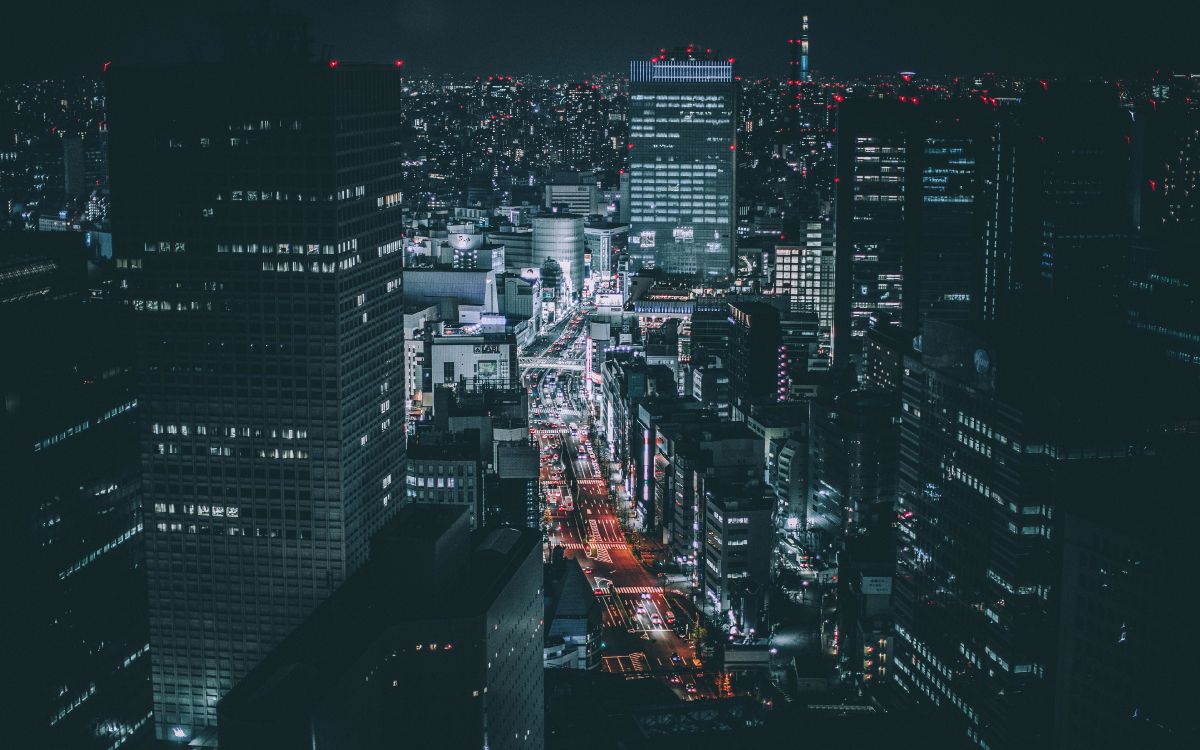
point(559, 237)
point(75, 630)
point(806, 273)
point(1004, 434)
point(853, 444)
point(259, 237)
point(910, 213)
point(73, 167)
point(1069, 153)
point(805, 75)
point(436, 642)
point(739, 544)
point(446, 468)
point(682, 163)
point(1119, 682)
point(1162, 300)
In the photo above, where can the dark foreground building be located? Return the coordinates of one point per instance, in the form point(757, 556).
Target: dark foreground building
point(437, 642)
point(74, 634)
point(1021, 457)
point(258, 245)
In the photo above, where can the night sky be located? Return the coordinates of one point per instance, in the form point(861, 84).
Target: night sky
point(44, 39)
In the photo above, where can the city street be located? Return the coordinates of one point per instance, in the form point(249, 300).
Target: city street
point(644, 622)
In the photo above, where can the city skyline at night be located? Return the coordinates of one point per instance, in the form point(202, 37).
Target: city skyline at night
point(447, 375)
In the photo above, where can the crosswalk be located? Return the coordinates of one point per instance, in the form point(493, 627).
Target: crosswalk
point(639, 589)
point(595, 545)
point(630, 664)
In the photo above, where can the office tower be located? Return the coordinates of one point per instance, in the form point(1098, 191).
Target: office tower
point(754, 337)
point(513, 491)
point(649, 486)
point(435, 642)
point(1119, 683)
point(801, 364)
point(625, 383)
point(574, 192)
point(910, 213)
point(1005, 433)
point(710, 386)
point(682, 164)
point(883, 357)
point(261, 250)
point(1162, 300)
point(559, 237)
point(446, 468)
point(73, 167)
point(689, 448)
point(1072, 212)
point(806, 273)
point(739, 544)
point(865, 640)
point(623, 210)
point(709, 331)
point(76, 669)
point(788, 475)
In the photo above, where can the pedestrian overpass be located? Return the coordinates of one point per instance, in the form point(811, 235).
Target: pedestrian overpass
point(550, 363)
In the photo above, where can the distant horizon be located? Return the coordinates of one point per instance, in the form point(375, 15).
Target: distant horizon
point(465, 37)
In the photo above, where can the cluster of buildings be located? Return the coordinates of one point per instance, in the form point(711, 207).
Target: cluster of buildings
point(930, 346)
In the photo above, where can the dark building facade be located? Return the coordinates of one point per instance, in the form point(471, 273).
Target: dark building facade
point(436, 642)
point(259, 248)
point(1120, 681)
point(911, 205)
point(1062, 199)
point(1002, 435)
point(75, 631)
point(755, 337)
point(853, 444)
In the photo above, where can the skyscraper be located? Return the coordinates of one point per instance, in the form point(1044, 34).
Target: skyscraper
point(260, 244)
point(1004, 433)
point(806, 273)
point(76, 671)
point(910, 213)
point(805, 75)
point(682, 163)
point(1073, 215)
point(436, 642)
